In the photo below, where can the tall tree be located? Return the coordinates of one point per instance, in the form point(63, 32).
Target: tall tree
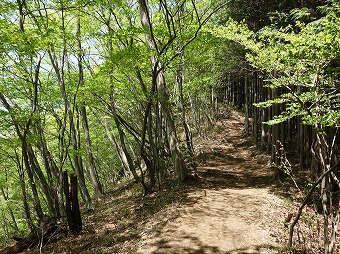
point(301, 65)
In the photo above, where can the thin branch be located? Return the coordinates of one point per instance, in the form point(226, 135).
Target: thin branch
point(179, 52)
point(333, 143)
point(196, 12)
point(305, 201)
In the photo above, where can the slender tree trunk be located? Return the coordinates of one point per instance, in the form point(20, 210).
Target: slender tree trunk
point(59, 71)
point(41, 179)
point(14, 223)
point(90, 160)
point(162, 89)
point(263, 119)
point(275, 155)
point(22, 183)
point(246, 107)
point(53, 173)
point(255, 109)
point(36, 200)
point(187, 129)
point(122, 150)
point(324, 189)
point(119, 151)
point(152, 166)
point(25, 156)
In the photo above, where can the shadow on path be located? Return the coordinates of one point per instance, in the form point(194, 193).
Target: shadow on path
point(228, 208)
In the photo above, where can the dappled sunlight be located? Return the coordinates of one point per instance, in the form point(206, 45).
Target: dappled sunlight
point(232, 203)
point(230, 208)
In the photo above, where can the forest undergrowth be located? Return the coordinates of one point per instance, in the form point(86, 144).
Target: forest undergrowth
point(232, 207)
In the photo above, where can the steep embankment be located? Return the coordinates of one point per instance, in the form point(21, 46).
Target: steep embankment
point(229, 209)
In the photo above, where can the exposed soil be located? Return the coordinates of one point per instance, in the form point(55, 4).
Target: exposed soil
point(230, 208)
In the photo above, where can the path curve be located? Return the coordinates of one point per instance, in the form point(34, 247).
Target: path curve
point(231, 210)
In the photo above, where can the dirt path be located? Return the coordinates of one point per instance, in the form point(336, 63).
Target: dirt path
point(230, 210)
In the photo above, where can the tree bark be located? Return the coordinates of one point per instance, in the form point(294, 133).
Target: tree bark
point(159, 79)
point(246, 107)
point(41, 235)
point(73, 215)
point(59, 71)
point(90, 160)
point(187, 129)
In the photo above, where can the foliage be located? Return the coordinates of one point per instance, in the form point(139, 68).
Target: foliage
point(303, 63)
point(76, 84)
point(300, 63)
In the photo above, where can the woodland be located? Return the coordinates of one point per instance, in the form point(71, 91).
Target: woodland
point(95, 93)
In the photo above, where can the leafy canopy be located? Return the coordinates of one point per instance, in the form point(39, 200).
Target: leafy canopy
point(303, 62)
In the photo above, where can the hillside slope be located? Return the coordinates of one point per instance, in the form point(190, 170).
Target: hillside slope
point(230, 208)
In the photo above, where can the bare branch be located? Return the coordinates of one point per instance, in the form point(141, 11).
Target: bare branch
point(305, 201)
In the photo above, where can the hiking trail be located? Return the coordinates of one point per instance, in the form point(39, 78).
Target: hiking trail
point(233, 211)
point(229, 209)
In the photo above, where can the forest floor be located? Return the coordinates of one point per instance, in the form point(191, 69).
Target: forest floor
point(233, 207)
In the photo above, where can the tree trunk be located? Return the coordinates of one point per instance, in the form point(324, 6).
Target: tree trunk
point(39, 236)
point(255, 109)
point(187, 129)
point(44, 185)
point(246, 107)
point(22, 183)
point(72, 204)
point(14, 223)
point(90, 160)
point(59, 71)
point(53, 173)
point(159, 80)
point(276, 149)
point(263, 119)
